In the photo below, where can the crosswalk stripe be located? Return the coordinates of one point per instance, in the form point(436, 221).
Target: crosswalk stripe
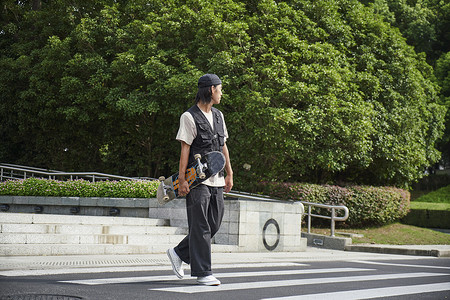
point(398, 265)
point(219, 275)
point(258, 265)
point(40, 272)
point(93, 270)
point(292, 282)
point(373, 293)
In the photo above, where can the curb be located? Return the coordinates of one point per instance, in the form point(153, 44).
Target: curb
point(398, 250)
point(326, 242)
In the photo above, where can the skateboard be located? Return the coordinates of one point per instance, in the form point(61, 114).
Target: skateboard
point(196, 172)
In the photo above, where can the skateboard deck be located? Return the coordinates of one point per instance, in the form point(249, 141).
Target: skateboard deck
point(197, 172)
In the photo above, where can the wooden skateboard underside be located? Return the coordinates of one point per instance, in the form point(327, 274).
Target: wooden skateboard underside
point(202, 169)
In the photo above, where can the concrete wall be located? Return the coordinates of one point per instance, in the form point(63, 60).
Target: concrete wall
point(129, 207)
point(251, 225)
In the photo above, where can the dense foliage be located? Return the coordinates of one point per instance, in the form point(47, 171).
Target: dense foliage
point(315, 91)
point(442, 75)
point(367, 205)
point(79, 188)
point(425, 24)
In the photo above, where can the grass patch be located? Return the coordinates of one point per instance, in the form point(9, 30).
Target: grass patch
point(393, 234)
point(441, 195)
point(430, 205)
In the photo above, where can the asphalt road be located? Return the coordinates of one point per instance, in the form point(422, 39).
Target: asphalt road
point(427, 278)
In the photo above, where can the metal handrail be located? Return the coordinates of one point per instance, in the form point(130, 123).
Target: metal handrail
point(333, 208)
point(249, 196)
point(52, 175)
point(333, 216)
point(27, 167)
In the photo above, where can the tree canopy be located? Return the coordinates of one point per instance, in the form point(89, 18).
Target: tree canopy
point(424, 24)
point(314, 91)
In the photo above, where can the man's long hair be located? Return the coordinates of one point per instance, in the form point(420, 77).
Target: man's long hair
point(204, 94)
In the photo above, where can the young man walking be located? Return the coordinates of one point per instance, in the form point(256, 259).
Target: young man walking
point(202, 130)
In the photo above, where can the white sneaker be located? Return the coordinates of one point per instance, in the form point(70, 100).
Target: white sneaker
point(177, 263)
point(208, 280)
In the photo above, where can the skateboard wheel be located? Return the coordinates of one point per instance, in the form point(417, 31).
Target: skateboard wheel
point(162, 178)
point(197, 156)
point(202, 176)
point(166, 198)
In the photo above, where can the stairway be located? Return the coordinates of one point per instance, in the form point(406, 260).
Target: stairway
point(44, 234)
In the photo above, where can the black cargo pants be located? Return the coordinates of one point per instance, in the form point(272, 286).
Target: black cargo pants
point(205, 209)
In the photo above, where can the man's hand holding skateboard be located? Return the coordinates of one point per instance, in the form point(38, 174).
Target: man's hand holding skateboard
point(183, 188)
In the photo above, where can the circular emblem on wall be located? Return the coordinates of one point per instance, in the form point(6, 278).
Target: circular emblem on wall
point(271, 234)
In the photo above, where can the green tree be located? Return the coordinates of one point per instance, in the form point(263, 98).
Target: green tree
point(313, 91)
point(442, 73)
point(424, 23)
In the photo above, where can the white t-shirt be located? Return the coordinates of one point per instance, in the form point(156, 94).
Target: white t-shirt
point(188, 132)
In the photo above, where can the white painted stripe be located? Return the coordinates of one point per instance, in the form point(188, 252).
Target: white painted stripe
point(373, 293)
point(122, 280)
point(398, 265)
point(98, 269)
point(293, 282)
point(82, 270)
point(259, 265)
point(219, 275)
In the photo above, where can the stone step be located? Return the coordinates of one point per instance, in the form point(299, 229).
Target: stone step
point(88, 229)
point(94, 249)
point(81, 249)
point(35, 234)
point(15, 218)
point(132, 239)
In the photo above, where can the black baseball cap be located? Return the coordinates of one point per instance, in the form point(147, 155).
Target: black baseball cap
point(209, 80)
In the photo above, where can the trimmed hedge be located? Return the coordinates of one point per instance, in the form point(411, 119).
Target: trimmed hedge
point(79, 188)
point(428, 218)
point(367, 205)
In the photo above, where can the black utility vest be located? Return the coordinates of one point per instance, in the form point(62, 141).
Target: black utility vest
point(208, 139)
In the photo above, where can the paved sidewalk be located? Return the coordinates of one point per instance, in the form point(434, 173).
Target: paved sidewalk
point(40, 265)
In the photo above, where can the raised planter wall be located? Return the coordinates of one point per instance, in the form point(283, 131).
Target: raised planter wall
point(253, 226)
point(128, 207)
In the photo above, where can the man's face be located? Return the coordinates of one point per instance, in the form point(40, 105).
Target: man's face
point(216, 94)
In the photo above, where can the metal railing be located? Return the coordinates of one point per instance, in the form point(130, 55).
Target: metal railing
point(333, 216)
point(333, 208)
point(236, 194)
point(29, 168)
point(8, 171)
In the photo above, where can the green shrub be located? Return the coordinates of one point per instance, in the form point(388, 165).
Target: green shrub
point(428, 218)
point(79, 188)
point(367, 205)
point(431, 210)
point(441, 195)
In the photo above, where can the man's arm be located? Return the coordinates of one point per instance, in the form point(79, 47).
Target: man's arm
point(228, 169)
point(183, 188)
